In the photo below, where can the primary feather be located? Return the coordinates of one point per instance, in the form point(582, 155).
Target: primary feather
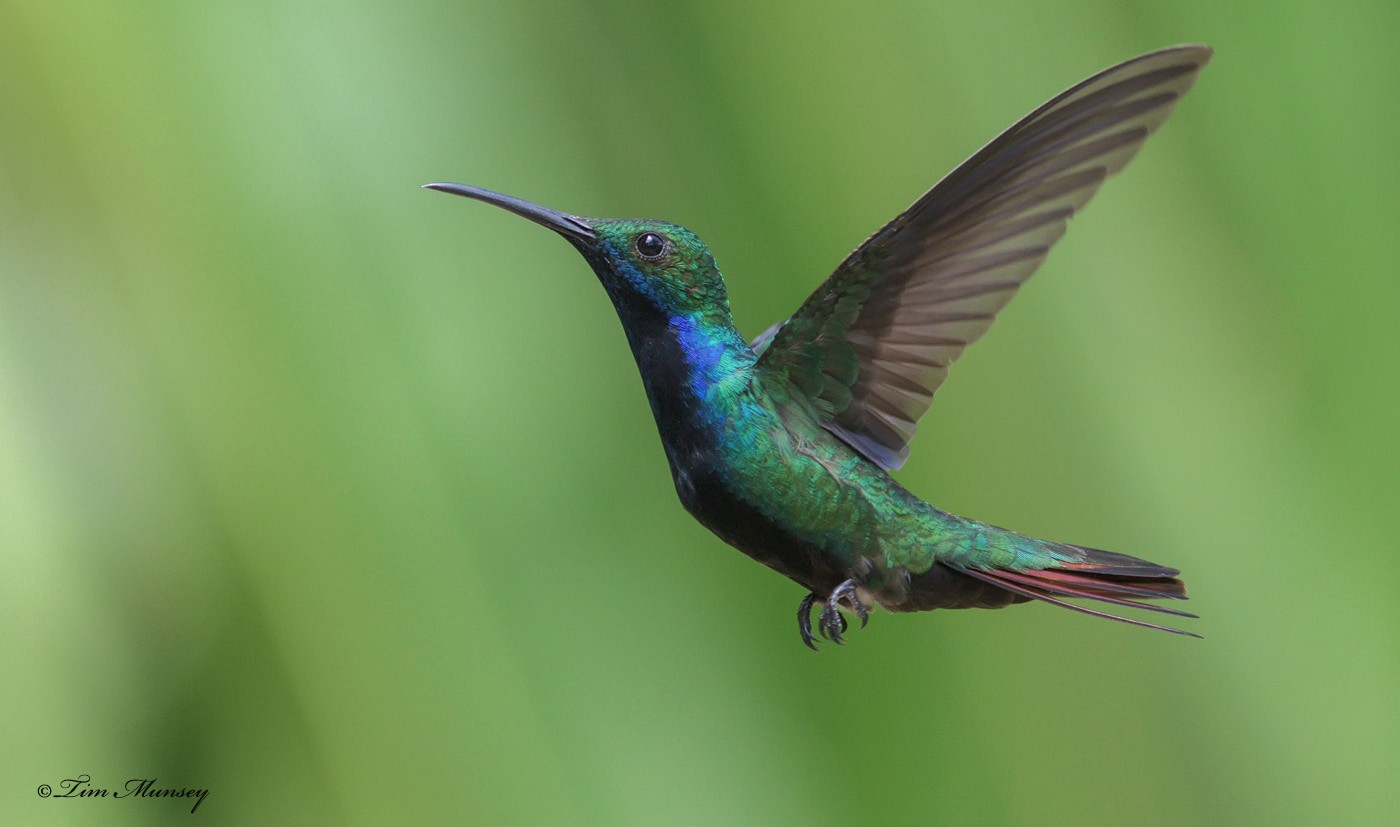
point(872, 345)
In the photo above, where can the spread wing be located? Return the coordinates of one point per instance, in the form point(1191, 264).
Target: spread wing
point(871, 346)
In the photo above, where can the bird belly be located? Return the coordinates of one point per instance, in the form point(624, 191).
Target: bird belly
point(743, 524)
point(773, 485)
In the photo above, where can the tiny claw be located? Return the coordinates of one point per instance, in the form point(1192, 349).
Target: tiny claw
point(804, 622)
point(833, 624)
point(831, 614)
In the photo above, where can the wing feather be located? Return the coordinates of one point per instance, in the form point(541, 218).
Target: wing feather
point(873, 344)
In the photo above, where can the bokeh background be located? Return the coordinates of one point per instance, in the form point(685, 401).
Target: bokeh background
point(342, 499)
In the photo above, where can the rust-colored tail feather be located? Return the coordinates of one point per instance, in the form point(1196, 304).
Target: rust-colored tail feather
point(1105, 576)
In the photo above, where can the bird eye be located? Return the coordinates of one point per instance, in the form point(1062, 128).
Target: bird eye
point(650, 246)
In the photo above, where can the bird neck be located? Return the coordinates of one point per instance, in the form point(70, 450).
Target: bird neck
point(717, 358)
point(693, 364)
point(697, 371)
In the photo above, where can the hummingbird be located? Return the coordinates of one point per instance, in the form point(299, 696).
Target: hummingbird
point(783, 446)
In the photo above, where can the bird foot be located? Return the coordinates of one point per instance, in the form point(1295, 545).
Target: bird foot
point(830, 623)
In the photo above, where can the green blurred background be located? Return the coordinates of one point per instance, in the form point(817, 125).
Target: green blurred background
point(342, 499)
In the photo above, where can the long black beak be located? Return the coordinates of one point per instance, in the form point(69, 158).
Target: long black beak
point(570, 226)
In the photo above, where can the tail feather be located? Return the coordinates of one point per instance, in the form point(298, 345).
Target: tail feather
point(1150, 589)
point(1092, 574)
point(1033, 580)
point(1099, 561)
point(998, 579)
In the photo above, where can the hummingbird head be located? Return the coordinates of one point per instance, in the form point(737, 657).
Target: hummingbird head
point(644, 264)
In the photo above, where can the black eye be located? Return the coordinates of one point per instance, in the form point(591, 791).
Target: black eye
point(650, 245)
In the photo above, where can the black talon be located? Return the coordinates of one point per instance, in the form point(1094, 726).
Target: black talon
point(831, 619)
point(831, 624)
point(824, 625)
point(836, 624)
point(861, 611)
point(804, 621)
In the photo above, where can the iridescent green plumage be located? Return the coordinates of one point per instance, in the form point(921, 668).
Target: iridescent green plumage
point(781, 448)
